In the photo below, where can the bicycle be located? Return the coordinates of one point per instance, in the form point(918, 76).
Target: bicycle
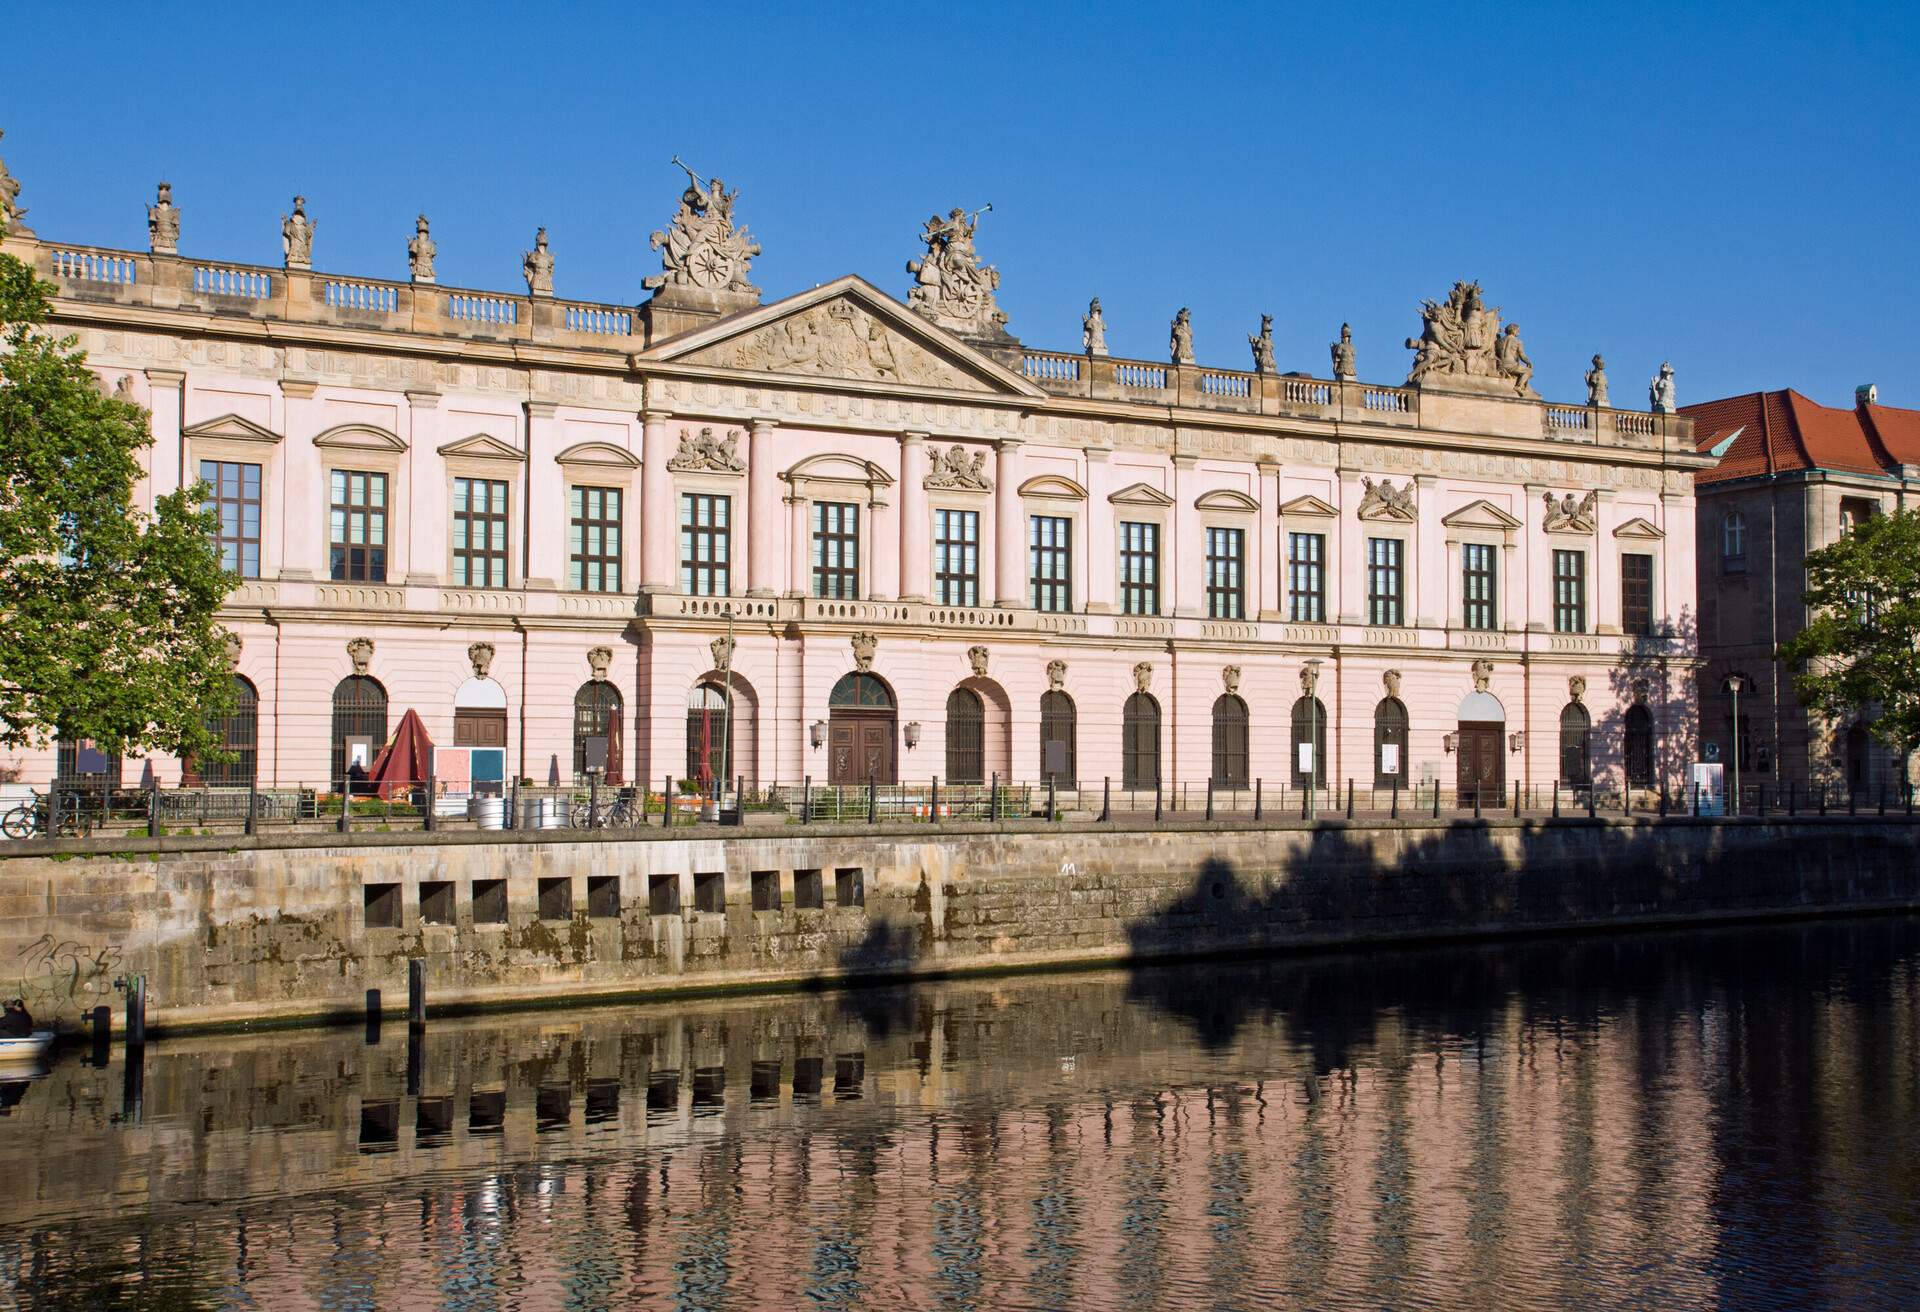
point(621, 812)
point(29, 819)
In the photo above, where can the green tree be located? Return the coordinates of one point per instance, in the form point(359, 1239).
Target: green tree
point(1860, 651)
point(107, 614)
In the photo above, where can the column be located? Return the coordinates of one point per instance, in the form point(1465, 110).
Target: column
point(168, 404)
point(1097, 552)
point(915, 546)
point(763, 512)
point(1266, 555)
point(544, 505)
point(1008, 529)
point(659, 526)
point(428, 519)
point(799, 553)
point(300, 502)
point(1184, 551)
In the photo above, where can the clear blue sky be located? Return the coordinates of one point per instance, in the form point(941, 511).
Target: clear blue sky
point(1734, 187)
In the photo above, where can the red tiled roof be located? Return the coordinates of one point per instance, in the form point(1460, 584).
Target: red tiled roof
point(1779, 432)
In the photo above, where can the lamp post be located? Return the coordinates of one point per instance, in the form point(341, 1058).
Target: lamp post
point(1310, 680)
point(1736, 684)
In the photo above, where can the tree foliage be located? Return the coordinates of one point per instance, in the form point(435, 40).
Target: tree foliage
point(107, 614)
point(1860, 652)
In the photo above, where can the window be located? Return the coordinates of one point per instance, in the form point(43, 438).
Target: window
point(836, 550)
point(1855, 511)
point(596, 730)
point(1309, 726)
point(1229, 742)
point(239, 734)
point(1390, 744)
point(1140, 742)
point(1139, 569)
point(358, 527)
point(479, 533)
point(1057, 739)
point(1733, 543)
point(1478, 605)
point(593, 539)
point(1639, 744)
point(956, 557)
point(1569, 592)
point(77, 763)
point(1384, 581)
point(359, 723)
point(1636, 594)
point(233, 498)
point(1576, 728)
point(1226, 587)
point(1050, 539)
point(1307, 578)
point(966, 737)
point(704, 545)
point(709, 736)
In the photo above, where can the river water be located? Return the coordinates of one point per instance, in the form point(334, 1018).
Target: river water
point(1726, 1117)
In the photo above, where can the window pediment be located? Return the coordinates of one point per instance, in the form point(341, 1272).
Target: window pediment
point(602, 454)
point(360, 437)
point(482, 446)
point(1140, 494)
point(1053, 486)
point(835, 474)
point(1481, 514)
point(232, 428)
point(1226, 499)
point(1639, 529)
point(1309, 505)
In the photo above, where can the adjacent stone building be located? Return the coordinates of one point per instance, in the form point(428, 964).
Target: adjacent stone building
point(1791, 475)
point(844, 536)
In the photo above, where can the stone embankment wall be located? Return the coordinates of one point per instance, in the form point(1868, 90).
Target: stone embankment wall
point(236, 929)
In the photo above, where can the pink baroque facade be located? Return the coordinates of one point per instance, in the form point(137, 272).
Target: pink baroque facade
point(900, 542)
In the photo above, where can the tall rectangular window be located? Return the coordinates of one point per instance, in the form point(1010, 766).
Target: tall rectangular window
point(1050, 543)
point(836, 550)
point(1477, 597)
point(1636, 594)
point(1570, 592)
point(1385, 582)
point(479, 533)
point(1139, 569)
point(705, 544)
point(593, 539)
point(1307, 578)
point(233, 498)
point(358, 527)
point(1226, 573)
point(956, 557)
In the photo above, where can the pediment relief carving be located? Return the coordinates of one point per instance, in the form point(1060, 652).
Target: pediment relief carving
point(839, 471)
point(1481, 514)
point(1383, 500)
point(232, 428)
point(364, 437)
point(1640, 529)
point(1309, 505)
point(1053, 485)
point(598, 453)
point(482, 446)
point(1140, 494)
point(1226, 499)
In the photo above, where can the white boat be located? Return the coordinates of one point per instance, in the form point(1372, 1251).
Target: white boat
point(27, 1047)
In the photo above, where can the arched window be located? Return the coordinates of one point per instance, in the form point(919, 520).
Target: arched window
point(1140, 742)
point(1057, 737)
point(596, 719)
point(709, 735)
point(1733, 543)
point(1229, 742)
point(239, 734)
point(359, 724)
point(1639, 747)
point(1390, 744)
point(966, 737)
point(1309, 726)
point(860, 690)
point(1576, 755)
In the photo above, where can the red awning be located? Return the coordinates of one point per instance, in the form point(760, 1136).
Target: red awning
point(404, 761)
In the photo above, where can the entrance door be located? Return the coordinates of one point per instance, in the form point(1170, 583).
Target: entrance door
point(1482, 762)
point(860, 746)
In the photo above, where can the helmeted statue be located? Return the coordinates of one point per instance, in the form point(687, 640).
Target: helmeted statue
point(296, 235)
point(1597, 382)
point(1093, 329)
point(420, 252)
point(1263, 346)
point(1343, 355)
point(537, 265)
point(163, 223)
point(701, 248)
point(951, 286)
point(1180, 339)
point(1661, 391)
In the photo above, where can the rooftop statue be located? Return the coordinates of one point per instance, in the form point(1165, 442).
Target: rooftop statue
point(1263, 346)
point(420, 252)
point(163, 223)
point(1597, 382)
point(1093, 329)
point(11, 210)
point(1180, 338)
point(1461, 340)
point(296, 235)
point(702, 249)
point(1343, 356)
point(951, 286)
point(537, 265)
point(1661, 392)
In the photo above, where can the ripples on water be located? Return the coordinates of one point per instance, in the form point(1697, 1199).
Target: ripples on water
point(1652, 1121)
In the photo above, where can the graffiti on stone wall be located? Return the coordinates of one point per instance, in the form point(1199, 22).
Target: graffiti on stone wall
point(58, 974)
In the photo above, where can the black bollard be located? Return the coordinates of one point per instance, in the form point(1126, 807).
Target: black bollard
point(1053, 800)
point(873, 801)
point(1159, 813)
point(1394, 811)
point(416, 1059)
point(806, 801)
point(1591, 790)
point(428, 821)
point(666, 803)
point(1823, 798)
point(253, 809)
point(1436, 799)
point(1516, 799)
point(416, 991)
point(1256, 799)
point(1209, 796)
point(1556, 799)
point(1476, 801)
point(1106, 799)
point(102, 1035)
point(346, 805)
point(373, 1017)
point(593, 800)
point(136, 1011)
point(993, 798)
point(933, 803)
point(153, 812)
point(1349, 799)
point(1791, 810)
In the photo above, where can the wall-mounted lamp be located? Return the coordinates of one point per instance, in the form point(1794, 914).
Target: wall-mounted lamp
point(913, 734)
point(1450, 742)
point(1516, 741)
point(817, 733)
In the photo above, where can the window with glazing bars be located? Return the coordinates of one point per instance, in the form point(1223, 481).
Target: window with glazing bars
point(1306, 578)
point(233, 498)
point(1570, 592)
point(1139, 569)
point(1477, 600)
point(705, 544)
point(1385, 582)
point(1226, 573)
point(593, 539)
point(358, 527)
point(1636, 594)
point(1050, 540)
point(836, 550)
point(479, 533)
point(956, 557)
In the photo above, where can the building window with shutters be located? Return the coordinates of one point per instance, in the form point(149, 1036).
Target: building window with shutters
point(1385, 582)
point(836, 550)
point(358, 527)
point(479, 533)
point(1478, 602)
point(1050, 542)
point(1569, 592)
point(1226, 573)
point(593, 539)
point(956, 557)
point(1307, 578)
point(233, 499)
point(1139, 568)
point(1636, 594)
point(705, 544)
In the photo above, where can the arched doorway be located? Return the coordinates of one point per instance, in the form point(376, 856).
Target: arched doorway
point(966, 737)
point(359, 724)
point(1390, 744)
point(1229, 742)
point(1140, 742)
point(1309, 726)
point(861, 725)
point(1639, 747)
point(480, 726)
point(709, 735)
point(1058, 739)
point(1480, 748)
point(1859, 758)
point(1576, 746)
point(597, 731)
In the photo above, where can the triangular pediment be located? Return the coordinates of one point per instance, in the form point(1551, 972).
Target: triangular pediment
point(231, 428)
point(1481, 514)
point(362, 437)
point(1309, 505)
point(846, 329)
point(1140, 494)
point(1639, 528)
point(483, 446)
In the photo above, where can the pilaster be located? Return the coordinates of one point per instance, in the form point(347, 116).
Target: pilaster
point(659, 529)
point(914, 541)
point(1010, 587)
point(764, 562)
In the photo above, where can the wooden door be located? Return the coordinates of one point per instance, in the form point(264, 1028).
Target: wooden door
point(860, 747)
point(1483, 763)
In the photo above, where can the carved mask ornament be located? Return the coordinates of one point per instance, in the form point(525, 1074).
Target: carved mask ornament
point(1056, 675)
point(1576, 687)
point(1392, 681)
point(1230, 678)
point(1143, 676)
point(481, 654)
point(722, 650)
point(977, 658)
point(1482, 674)
point(864, 645)
point(598, 659)
point(360, 652)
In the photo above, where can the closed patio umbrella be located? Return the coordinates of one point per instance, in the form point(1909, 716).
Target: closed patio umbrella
point(404, 761)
